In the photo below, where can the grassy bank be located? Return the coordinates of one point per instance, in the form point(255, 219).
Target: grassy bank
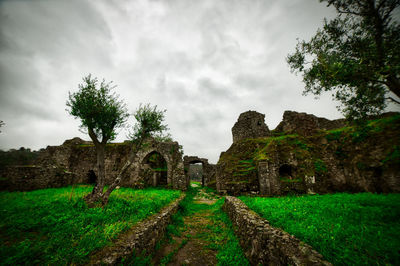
point(347, 229)
point(54, 226)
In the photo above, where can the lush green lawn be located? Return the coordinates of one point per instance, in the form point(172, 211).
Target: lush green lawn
point(54, 226)
point(347, 229)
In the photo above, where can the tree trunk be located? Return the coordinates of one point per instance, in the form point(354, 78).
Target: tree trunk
point(97, 191)
point(117, 180)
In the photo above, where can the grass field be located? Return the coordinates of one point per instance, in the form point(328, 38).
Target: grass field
point(54, 226)
point(347, 229)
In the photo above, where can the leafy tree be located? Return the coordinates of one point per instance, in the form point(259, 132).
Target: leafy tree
point(149, 125)
point(101, 113)
point(355, 56)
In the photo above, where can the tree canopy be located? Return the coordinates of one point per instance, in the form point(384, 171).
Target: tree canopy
point(149, 123)
point(98, 108)
point(355, 56)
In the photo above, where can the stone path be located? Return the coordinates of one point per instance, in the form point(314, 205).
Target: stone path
point(193, 246)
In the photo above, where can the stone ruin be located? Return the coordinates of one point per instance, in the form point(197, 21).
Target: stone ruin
point(298, 156)
point(250, 124)
point(208, 175)
point(306, 124)
point(301, 156)
point(158, 164)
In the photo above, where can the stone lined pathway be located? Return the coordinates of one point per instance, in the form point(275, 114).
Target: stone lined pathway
point(193, 246)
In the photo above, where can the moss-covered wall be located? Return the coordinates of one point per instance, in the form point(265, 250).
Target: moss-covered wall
point(352, 158)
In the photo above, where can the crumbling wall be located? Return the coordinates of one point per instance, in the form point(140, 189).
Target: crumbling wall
point(141, 239)
point(30, 177)
point(78, 157)
point(265, 245)
point(350, 159)
point(306, 124)
point(250, 124)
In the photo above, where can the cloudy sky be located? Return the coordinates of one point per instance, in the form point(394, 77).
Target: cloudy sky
point(205, 62)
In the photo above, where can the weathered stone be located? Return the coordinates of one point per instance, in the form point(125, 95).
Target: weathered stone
point(75, 162)
point(250, 124)
point(306, 124)
point(141, 239)
point(265, 245)
point(208, 170)
point(340, 161)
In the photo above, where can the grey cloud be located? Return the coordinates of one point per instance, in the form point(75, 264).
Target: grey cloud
point(213, 90)
point(204, 61)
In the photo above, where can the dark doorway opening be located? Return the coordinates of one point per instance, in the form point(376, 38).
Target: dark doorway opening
point(196, 172)
point(158, 166)
point(285, 172)
point(92, 177)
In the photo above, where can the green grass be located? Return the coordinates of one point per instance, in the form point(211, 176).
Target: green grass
point(347, 229)
point(54, 226)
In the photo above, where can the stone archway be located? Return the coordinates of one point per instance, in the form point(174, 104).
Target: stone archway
point(143, 174)
point(207, 168)
point(156, 169)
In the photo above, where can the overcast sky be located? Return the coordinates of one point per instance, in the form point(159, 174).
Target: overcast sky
point(205, 62)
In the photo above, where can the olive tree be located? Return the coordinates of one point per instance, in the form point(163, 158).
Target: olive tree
point(101, 113)
point(355, 56)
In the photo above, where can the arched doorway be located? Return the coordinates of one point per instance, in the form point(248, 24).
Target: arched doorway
point(195, 172)
point(157, 170)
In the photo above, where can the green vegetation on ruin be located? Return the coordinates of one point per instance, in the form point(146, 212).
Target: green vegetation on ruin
point(54, 226)
point(347, 229)
point(242, 158)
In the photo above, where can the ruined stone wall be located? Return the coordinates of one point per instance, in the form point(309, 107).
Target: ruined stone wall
point(351, 159)
point(263, 244)
point(306, 124)
point(30, 177)
point(78, 157)
point(173, 156)
point(142, 239)
point(250, 124)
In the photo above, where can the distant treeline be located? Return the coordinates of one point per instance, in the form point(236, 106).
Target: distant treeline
point(21, 156)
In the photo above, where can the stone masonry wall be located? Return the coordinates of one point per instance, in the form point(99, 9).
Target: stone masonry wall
point(264, 244)
point(141, 239)
point(306, 124)
point(250, 124)
point(27, 178)
point(351, 159)
point(74, 160)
